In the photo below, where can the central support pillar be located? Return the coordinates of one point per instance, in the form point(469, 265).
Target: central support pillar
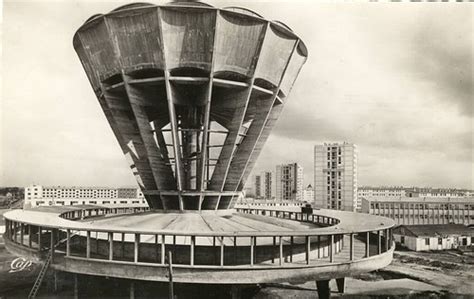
point(76, 289)
point(341, 285)
point(132, 290)
point(324, 291)
point(235, 292)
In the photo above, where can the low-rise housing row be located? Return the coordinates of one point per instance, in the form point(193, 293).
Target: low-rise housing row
point(414, 211)
point(37, 195)
point(434, 236)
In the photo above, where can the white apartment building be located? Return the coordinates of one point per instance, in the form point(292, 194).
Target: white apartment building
point(37, 195)
point(289, 182)
point(335, 176)
point(308, 194)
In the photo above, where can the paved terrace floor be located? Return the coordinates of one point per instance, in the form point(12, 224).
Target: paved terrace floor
point(150, 223)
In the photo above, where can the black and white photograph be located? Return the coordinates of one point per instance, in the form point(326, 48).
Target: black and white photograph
point(236, 149)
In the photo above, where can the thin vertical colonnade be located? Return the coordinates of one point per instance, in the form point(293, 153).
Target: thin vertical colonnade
point(213, 249)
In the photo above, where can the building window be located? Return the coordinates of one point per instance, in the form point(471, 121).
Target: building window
point(402, 239)
point(440, 241)
point(427, 241)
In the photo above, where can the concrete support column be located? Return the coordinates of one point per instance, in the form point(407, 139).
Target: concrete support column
point(341, 285)
point(319, 247)
point(136, 248)
point(222, 251)
point(39, 238)
point(324, 292)
point(351, 247)
point(162, 251)
point(367, 245)
point(132, 290)
point(235, 292)
point(308, 249)
point(111, 246)
point(68, 242)
point(29, 237)
point(22, 229)
point(331, 249)
point(379, 242)
point(76, 289)
point(55, 281)
point(439, 213)
point(280, 243)
point(53, 231)
point(399, 213)
point(252, 250)
point(88, 244)
point(14, 232)
point(191, 253)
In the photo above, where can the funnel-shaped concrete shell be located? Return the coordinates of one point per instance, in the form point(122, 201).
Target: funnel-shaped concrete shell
point(191, 93)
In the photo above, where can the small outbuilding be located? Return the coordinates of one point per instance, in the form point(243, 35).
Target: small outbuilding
point(434, 236)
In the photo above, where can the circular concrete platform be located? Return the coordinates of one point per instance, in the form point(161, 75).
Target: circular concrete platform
point(251, 244)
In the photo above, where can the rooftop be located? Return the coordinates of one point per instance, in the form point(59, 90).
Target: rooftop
point(469, 199)
point(434, 230)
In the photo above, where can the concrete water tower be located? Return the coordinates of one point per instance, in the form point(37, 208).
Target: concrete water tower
point(191, 93)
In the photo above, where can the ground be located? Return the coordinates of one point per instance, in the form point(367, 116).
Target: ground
point(444, 274)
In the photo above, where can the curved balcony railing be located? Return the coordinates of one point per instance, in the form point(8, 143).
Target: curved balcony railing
point(325, 245)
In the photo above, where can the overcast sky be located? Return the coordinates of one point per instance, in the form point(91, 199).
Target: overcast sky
point(396, 79)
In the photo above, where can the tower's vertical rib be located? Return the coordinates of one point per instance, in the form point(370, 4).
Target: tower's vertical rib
point(204, 167)
point(172, 117)
point(120, 112)
point(139, 102)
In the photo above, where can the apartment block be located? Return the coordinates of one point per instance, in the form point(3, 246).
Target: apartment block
point(335, 176)
point(289, 182)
